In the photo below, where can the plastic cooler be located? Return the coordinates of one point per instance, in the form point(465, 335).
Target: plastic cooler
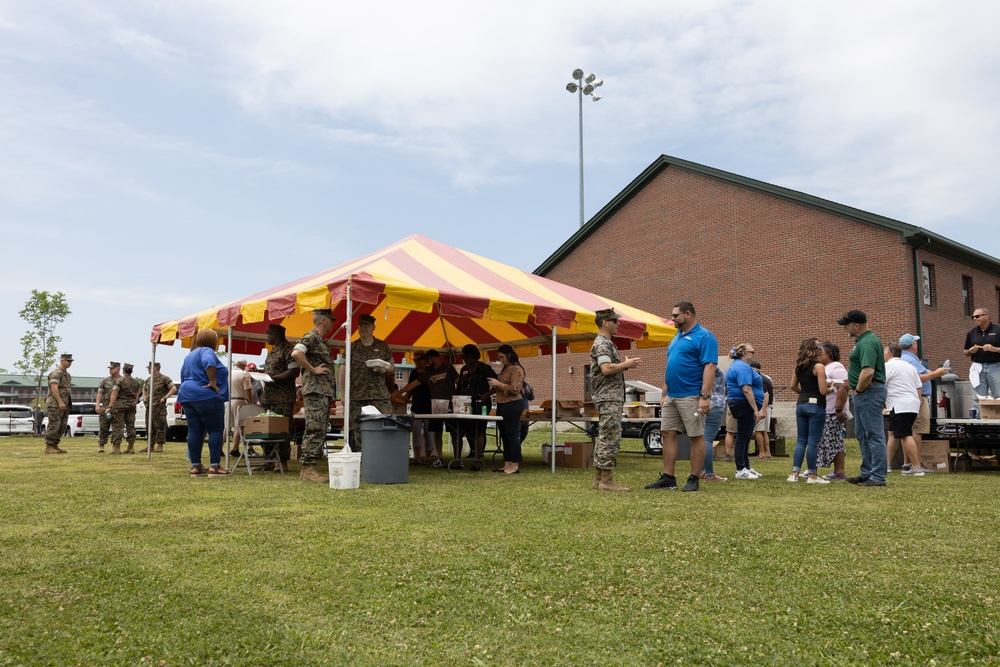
point(386, 447)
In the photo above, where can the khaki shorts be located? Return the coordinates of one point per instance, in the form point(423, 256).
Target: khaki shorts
point(764, 425)
point(731, 425)
point(678, 414)
point(923, 423)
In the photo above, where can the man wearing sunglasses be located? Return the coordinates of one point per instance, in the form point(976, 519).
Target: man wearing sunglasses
point(982, 344)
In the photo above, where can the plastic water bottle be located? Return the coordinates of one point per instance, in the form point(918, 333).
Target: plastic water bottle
point(946, 364)
point(974, 412)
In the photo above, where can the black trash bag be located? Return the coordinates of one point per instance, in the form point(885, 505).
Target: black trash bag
point(403, 421)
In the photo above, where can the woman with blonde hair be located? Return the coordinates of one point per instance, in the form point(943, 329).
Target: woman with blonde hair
point(203, 391)
point(745, 397)
point(810, 410)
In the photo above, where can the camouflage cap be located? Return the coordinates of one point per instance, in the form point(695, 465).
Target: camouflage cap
point(114, 364)
point(325, 312)
point(606, 314)
point(128, 368)
point(366, 319)
point(157, 364)
point(66, 356)
point(275, 328)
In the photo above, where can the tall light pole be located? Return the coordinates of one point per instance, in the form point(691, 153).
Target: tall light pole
point(583, 86)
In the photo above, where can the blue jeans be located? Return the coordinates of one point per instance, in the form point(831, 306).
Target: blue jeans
point(208, 416)
point(810, 419)
point(713, 422)
point(745, 417)
point(870, 430)
point(989, 378)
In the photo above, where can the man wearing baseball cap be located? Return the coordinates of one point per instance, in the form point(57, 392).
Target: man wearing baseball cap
point(923, 423)
point(58, 403)
point(103, 397)
point(866, 376)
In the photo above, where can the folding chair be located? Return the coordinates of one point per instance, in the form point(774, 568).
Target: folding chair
point(271, 447)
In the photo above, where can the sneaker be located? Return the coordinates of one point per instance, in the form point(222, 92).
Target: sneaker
point(906, 467)
point(438, 464)
point(871, 482)
point(832, 476)
point(692, 483)
point(816, 480)
point(729, 458)
point(924, 471)
point(856, 480)
point(665, 481)
point(888, 470)
point(756, 474)
point(714, 478)
point(913, 472)
point(746, 473)
point(794, 477)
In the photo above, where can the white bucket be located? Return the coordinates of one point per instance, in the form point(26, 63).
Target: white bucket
point(345, 471)
point(460, 403)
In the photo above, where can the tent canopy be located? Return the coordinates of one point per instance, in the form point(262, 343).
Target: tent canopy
point(426, 295)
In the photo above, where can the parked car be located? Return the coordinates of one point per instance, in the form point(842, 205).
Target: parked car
point(82, 420)
point(16, 419)
point(177, 429)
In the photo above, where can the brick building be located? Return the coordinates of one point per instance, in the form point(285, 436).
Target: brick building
point(769, 266)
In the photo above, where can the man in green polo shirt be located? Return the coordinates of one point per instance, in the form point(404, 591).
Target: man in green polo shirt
point(866, 377)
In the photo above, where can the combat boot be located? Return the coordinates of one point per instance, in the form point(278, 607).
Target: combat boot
point(158, 448)
point(598, 478)
point(53, 449)
point(609, 483)
point(100, 449)
point(310, 474)
point(131, 449)
point(116, 449)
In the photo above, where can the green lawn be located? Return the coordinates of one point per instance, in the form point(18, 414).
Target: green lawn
point(123, 561)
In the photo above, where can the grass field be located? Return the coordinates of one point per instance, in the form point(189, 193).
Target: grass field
point(124, 561)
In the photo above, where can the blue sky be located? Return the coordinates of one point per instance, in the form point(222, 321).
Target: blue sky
point(159, 158)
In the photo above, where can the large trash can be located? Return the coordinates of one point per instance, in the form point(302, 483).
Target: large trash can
point(386, 447)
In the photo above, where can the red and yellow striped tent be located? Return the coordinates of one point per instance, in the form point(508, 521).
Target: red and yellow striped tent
point(425, 294)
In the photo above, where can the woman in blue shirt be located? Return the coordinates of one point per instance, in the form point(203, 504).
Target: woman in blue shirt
point(745, 397)
point(203, 391)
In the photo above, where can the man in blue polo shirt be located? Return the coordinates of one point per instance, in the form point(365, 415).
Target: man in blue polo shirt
point(922, 425)
point(687, 391)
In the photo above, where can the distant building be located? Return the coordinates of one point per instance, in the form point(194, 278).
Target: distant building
point(769, 266)
point(21, 390)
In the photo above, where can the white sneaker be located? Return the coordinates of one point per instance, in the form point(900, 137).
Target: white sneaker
point(756, 475)
point(914, 472)
point(816, 480)
point(794, 477)
point(746, 473)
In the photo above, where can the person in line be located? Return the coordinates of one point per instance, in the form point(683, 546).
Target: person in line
point(156, 414)
point(473, 381)
point(810, 383)
point(509, 388)
point(38, 416)
point(982, 345)
point(58, 403)
point(762, 429)
point(239, 395)
point(101, 406)
point(319, 388)
point(203, 392)
point(922, 425)
point(440, 379)
point(280, 394)
point(713, 422)
point(831, 451)
point(745, 397)
point(692, 357)
point(256, 386)
point(866, 376)
point(420, 404)
point(368, 383)
point(902, 388)
point(121, 409)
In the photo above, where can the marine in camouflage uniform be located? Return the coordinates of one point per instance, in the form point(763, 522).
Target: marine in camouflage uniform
point(123, 399)
point(609, 398)
point(60, 383)
point(279, 394)
point(103, 398)
point(368, 385)
point(156, 416)
point(318, 391)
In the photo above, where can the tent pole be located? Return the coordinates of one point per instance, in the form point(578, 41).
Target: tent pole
point(229, 350)
point(555, 408)
point(149, 408)
point(346, 389)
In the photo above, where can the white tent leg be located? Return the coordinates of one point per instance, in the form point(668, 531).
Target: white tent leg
point(555, 408)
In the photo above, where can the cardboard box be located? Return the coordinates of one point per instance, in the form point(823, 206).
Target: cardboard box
point(989, 408)
point(935, 455)
point(265, 425)
point(640, 411)
point(570, 455)
point(564, 409)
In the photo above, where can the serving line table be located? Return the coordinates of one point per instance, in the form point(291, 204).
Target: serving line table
point(453, 422)
point(969, 435)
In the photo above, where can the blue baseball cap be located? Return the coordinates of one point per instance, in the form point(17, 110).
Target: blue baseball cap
point(906, 340)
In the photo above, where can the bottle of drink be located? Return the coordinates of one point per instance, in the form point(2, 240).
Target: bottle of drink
point(946, 364)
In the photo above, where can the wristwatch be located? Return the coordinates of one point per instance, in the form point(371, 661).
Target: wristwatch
point(704, 396)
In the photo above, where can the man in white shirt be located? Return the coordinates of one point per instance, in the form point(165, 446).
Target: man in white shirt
point(239, 395)
point(903, 389)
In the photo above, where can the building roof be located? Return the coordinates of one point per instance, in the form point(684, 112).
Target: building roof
point(918, 237)
point(79, 381)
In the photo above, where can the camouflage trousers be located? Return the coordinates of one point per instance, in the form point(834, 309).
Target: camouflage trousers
point(609, 434)
point(123, 425)
point(57, 425)
point(317, 409)
point(159, 427)
point(285, 410)
point(103, 429)
point(383, 405)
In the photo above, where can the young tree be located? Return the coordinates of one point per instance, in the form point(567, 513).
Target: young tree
point(39, 345)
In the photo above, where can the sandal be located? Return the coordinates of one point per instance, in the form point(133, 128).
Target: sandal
point(216, 471)
point(197, 471)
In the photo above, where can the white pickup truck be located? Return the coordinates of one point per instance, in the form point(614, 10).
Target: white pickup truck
point(176, 421)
